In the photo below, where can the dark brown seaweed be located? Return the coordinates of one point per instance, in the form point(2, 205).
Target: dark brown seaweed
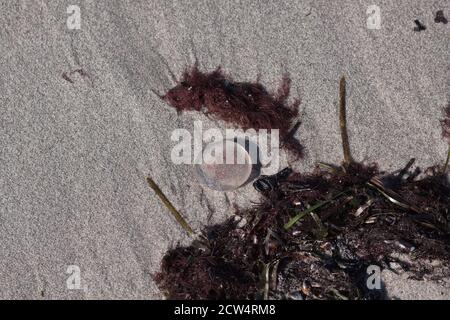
point(330, 248)
point(313, 235)
point(243, 104)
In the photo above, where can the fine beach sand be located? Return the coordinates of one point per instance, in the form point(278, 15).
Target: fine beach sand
point(74, 155)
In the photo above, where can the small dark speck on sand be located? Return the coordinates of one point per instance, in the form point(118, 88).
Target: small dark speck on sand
point(419, 26)
point(440, 17)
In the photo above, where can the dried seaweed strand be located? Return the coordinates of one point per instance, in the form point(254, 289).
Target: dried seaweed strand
point(343, 123)
point(445, 123)
point(392, 196)
point(169, 206)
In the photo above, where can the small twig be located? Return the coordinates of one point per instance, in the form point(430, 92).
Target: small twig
point(169, 206)
point(343, 123)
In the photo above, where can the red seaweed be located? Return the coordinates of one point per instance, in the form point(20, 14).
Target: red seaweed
point(247, 105)
point(313, 235)
point(324, 255)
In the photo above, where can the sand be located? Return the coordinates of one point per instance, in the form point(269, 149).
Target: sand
point(74, 154)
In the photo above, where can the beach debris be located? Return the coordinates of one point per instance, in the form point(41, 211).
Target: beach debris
point(67, 75)
point(247, 105)
point(319, 242)
point(419, 26)
point(218, 172)
point(269, 183)
point(440, 18)
point(169, 206)
point(328, 246)
point(445, 123)
point(343, 122)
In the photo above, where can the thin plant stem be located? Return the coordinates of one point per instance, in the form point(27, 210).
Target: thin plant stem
point(169, 206)
point(343, 123)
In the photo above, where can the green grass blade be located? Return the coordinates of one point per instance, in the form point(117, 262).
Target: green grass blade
point(295, 219)
point(299, 216)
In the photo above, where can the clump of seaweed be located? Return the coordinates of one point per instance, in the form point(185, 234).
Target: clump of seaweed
point(314, 235)
point(243, 104)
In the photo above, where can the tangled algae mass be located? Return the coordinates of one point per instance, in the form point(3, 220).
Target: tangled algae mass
point(314, 235)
